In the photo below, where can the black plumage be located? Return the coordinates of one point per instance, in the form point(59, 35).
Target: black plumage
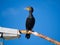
point(30, 21)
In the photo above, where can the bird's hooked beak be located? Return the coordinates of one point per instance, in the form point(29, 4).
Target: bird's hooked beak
point(28, 8)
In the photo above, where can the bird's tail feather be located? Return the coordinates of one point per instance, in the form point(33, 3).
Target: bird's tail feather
point(27, 36)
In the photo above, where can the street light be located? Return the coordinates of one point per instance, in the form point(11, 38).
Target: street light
point(8, 33)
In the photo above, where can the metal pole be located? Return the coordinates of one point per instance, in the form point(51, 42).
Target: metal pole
point(1, 41)
point(40, 35)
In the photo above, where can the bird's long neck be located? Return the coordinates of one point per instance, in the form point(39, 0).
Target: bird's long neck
point(30, 14)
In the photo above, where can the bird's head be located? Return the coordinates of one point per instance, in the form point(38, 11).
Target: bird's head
point(30, 9)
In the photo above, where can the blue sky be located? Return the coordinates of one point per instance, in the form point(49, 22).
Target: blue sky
point(46, 13)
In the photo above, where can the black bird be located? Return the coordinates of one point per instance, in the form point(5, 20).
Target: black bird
point(30, 21)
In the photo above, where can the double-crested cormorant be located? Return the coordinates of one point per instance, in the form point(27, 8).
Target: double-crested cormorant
point(30, 21)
